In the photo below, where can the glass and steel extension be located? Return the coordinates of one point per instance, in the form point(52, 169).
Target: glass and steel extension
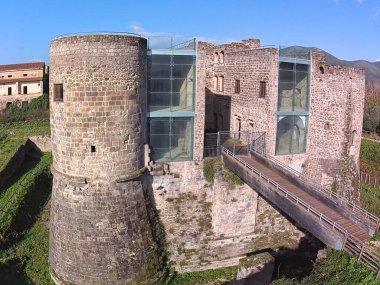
point(293, 100)
point(171, 97)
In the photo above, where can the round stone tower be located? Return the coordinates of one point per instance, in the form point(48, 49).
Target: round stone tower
point(99, 230)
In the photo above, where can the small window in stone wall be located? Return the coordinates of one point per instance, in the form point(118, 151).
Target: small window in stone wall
point(25, 74)
point(216, 57)
point(58, 92)
point(221, 57)
point(9, 75)
point(215, 83)
point(237, 85)
point(221, 83)
point(263, 89)
point(93, 148)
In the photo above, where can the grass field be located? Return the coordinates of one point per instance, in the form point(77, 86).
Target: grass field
point(24, 218)
point(16, 134)
point(370, 163)
point(370, 157)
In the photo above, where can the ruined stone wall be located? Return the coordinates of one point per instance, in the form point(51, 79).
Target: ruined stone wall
point(6, 100)
point(215, 225)
point(199, 119)
point(99, 230)
point(249, 64)
point(336, 116)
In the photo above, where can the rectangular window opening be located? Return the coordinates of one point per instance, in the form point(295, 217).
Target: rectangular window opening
point(58, 92)
point(25, 90)
point(93, 148)
point(237, 86)
point(263, 89)
point(9, 90)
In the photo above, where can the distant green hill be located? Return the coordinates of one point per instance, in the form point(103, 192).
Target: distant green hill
point(372, 69)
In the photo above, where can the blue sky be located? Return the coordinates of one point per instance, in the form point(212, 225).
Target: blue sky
point(349, 29)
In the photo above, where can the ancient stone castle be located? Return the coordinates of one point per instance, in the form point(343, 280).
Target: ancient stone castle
point(130, 118)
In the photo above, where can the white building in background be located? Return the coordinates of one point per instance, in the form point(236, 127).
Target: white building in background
point(22, 78)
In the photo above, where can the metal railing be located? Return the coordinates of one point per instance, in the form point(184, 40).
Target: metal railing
point(316, 186)
point(97, 33)
point(350, 243)
point(287, 193)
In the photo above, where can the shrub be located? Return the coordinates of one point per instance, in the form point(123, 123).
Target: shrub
point(37, 108)
point(210, 165)
point(371, 118)
point(3, 135)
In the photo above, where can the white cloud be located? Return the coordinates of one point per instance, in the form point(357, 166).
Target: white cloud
point(359, 1)
point(375, 12)
point(215, 39)
point(139, 29)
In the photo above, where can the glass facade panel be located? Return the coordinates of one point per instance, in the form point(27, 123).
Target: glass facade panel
point(159, 101)
point(160, 71)
point(293, 87)
point(286, 66)
point(301, 91)
point(293, 100)
point(171, 139)
point(285, 98)
point(286, 75)
point(173, 78)
point(171, 97)
point(160, 85)
point(183, 71)
point(161, 59)
point(183, 59)
point(291, 134)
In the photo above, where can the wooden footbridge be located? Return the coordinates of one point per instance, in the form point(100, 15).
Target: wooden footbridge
point(336, 221)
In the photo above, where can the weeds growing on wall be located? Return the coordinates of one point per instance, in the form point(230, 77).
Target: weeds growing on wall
point(17, 134)
point(338, 268)
point(213, 165)
point(36, 109)
point(216, 277)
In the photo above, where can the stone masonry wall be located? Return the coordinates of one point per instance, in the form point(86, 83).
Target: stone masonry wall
point(250, 64)
point(199, 119)
point(99, 230)
point(336, 116)
point(6, 99)
point(211, 226)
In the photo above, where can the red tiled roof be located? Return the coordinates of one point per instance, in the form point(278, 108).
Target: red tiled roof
point(22, 66)
point(26, 79)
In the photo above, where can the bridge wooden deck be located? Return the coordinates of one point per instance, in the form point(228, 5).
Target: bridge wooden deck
point(352, 228)
point(336, 227)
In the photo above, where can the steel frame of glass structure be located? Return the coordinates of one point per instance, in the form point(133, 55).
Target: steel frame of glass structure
point(293, 100)
point(171, 98)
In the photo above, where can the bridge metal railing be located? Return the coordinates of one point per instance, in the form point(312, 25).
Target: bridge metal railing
point(291, 196)
point(316, 186)
point(351, 244)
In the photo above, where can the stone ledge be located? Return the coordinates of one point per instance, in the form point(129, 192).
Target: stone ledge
point(130, 176)
point(70, 179)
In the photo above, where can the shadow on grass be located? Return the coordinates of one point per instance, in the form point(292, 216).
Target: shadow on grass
point(33, 203)
point(13, 273)
point(31, 160)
